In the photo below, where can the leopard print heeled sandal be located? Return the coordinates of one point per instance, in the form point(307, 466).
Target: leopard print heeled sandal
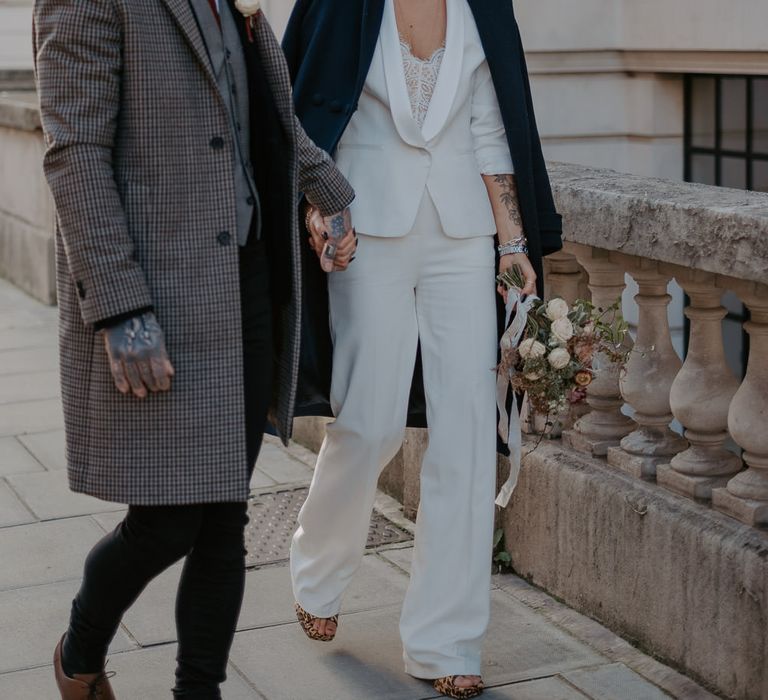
point(307, 623)
point(447, 686)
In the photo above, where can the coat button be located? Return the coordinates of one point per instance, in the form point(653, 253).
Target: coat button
point(336, 106)
point(80, 289)
point(224, 238)
point(318, 100)
point(217, 143)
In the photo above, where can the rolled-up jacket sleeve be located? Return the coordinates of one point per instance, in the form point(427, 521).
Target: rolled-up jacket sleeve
point(488, 133)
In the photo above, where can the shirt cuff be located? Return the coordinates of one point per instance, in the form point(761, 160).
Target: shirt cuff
point(115, 320)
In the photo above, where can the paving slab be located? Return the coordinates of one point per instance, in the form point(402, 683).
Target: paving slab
point(109, 521)
point(12, 510)
point(146, 674)
point(30, 416)
point(18, 320)
point(399, 556)
point(614, 682)
point(260, 480)
point(33, 621)
point(364, 663)
point(30, 386)
point(18, 310)
point(268, 599)
point(46, 552)
point(601, 639)
point(278, 465)
point(366, 659)
point(29, 360)
point(16, 459)
point(541, 689)
point(48, 496)
point(48, 448)
point(16, 335)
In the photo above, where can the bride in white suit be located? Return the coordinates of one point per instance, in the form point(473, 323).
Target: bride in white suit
point(428, 156)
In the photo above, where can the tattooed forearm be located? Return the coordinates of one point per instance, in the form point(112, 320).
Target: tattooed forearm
point(508, 197)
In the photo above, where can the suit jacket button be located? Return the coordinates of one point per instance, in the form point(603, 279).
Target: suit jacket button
point(336, 106)
point(224, 238)
point(217, 143)
point(318, 100)
point(250, 201)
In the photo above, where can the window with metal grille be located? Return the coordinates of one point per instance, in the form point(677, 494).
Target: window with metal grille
point(726, 144)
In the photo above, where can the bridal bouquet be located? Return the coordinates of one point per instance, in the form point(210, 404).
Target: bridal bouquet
point(548, 352)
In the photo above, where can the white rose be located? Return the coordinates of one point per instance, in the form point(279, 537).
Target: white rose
point(557, 308)
point(562, 330)
point(533, 376)
point(248, 7)
point(559, 358)
point(531, 347)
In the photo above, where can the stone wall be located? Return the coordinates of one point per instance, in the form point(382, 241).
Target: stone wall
point(26, 207)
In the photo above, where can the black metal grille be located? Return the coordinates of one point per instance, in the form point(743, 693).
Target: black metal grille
point(272, 523)
point(726, 131)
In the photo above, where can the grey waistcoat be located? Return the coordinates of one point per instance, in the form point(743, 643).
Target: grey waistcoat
point(226, 53)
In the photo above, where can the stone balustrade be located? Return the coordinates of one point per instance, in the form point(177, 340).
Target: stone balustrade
point(709, 240)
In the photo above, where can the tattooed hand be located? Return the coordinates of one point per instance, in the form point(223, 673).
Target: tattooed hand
point(137, 356)
point(335, 253)
point(337, 226)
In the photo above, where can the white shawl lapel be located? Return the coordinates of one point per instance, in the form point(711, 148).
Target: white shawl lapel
point(447, 82)
point(399, 102)
point(449, 77)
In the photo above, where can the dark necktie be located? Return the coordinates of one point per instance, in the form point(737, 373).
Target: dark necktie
point(215, 10)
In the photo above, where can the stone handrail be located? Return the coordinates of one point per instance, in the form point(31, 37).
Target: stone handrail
point(712, 229)
point(709, 240)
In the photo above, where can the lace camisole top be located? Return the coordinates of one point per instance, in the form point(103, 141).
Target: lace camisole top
point(420, 79)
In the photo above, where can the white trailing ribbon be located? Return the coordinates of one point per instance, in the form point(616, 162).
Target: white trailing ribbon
point(509, 423)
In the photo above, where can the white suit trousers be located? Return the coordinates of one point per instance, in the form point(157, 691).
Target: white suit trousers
point(438, 290)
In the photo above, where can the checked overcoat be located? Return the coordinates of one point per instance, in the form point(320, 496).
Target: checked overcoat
point(140, 163)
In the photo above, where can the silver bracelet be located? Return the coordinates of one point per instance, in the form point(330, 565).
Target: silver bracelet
point(519, 245)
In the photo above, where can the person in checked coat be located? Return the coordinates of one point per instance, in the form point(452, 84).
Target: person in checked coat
point(175, 160)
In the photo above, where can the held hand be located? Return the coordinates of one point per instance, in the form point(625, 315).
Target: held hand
point(137, 356)
point(346, 249)
point(316, 229)
point(522, 262)
point(332, 238)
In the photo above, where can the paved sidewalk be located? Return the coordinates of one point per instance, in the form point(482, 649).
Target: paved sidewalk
point(537, 648)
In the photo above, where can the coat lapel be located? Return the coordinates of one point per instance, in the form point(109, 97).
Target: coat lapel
point(397, 90)
point(276, 70)
point(449, 77)
point(373, 12)
point(185, 19)
point(500, 38)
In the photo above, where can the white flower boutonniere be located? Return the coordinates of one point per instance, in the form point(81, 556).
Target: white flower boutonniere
point(250, 9)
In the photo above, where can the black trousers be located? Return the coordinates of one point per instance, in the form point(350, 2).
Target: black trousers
point(209, 535)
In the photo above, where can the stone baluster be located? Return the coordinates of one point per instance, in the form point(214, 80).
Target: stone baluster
point(605, 424)
point(701, 395)
point(648, 377)
point(746, 496)
point(563, 276)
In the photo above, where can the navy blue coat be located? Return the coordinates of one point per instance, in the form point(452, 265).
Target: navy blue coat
point(329, 45)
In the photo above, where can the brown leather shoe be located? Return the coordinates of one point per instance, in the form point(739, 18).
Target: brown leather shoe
point(91, 686)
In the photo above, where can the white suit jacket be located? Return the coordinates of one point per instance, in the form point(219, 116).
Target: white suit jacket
point(390, 160)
